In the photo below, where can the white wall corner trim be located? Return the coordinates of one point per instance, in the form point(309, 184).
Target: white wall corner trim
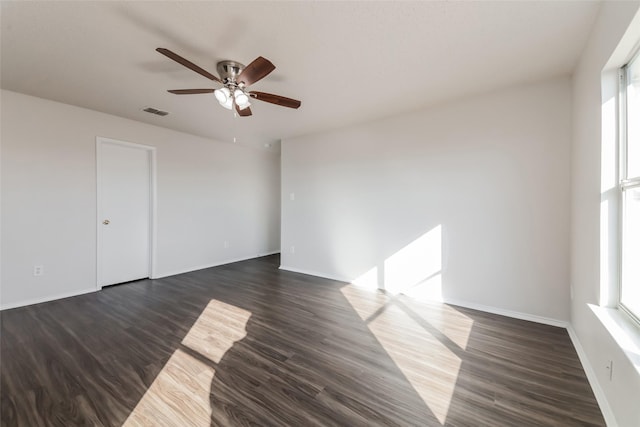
point(607, 412)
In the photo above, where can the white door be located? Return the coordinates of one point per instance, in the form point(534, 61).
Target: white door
point(124, 212)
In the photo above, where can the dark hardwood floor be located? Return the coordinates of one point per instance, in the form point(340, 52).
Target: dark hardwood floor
point(249, 345)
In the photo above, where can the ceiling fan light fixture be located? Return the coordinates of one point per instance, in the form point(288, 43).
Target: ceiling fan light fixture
point(241, 98)
point(228, 104)
point(235, 78)
point(222, 95)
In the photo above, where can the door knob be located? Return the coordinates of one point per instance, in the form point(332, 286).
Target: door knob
point(105, 222)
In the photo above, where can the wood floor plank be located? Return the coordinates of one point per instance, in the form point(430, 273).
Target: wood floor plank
point(247, 344)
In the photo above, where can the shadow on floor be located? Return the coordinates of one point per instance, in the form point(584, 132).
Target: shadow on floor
point(248, 344)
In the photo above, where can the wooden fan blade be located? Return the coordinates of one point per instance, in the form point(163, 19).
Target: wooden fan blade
point(255, 71)
point(275, 99)
point(190, 91)
point(244, 112)
point(190, 65)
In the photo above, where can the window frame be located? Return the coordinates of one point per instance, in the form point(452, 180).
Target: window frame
point(625, 182)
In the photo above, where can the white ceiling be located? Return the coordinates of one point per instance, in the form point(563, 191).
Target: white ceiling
point(347, 62)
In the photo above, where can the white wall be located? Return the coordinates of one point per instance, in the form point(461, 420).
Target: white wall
point(593, 261)
point(208, 192)
point(491, 171)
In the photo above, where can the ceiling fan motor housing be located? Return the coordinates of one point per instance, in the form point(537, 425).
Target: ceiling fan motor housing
point(229, 71)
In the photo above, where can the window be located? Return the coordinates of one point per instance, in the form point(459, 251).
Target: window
point(630, 187)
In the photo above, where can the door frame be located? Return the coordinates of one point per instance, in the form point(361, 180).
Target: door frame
point(151, 153)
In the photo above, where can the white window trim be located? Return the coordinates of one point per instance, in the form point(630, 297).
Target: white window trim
point(624, 183)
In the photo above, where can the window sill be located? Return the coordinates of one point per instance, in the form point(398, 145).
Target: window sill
point(623, 330)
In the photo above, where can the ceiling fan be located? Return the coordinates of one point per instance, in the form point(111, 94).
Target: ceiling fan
point(235, 78)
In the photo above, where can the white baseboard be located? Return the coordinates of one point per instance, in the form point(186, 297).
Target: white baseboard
point(86, 291)
point(215, 264)
point(589, 371)
point(607, 413)
point(508, 313)
point(480, 307)
point(591, 376)
point(269, 253)
point(314, 273)
point(46, 299)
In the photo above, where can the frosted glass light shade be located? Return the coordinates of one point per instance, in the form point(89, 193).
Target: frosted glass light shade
point(228, 104)
point(241, 98)
point(222, 95)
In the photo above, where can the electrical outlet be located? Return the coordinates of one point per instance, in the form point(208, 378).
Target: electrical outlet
point(293, 249)
point(226, 243)
point(38, 270)
point(292, 196)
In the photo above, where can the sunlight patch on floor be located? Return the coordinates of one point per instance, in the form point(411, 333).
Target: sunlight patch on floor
point(364, 301)
point(430, 367)
point(447, 320)
point(179, 395)
point(218, 327)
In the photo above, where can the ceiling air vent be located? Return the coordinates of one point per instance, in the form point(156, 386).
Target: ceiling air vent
point(155, 111)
